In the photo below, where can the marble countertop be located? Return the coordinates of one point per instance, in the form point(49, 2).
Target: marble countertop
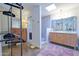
point(70, 32)
point(64, 32)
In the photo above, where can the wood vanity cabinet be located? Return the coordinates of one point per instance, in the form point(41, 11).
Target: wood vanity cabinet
point(17, 32)
point(68, 39)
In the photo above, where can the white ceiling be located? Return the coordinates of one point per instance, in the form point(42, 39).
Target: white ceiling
point(29, 6)
point(64, 6)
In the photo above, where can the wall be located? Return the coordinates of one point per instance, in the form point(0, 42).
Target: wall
point(35, 13)
point(39, 26)
point(24, 23)
point(64, 13)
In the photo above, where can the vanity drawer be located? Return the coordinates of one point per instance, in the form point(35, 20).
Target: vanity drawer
point(71, 39)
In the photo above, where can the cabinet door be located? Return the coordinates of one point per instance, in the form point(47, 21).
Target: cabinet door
point(56, 37)
point(24, 34)
point(52, 36)
point(61, 38)
point(71, 40)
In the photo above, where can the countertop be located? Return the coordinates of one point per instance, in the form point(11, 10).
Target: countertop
point(65, 32)
point(69, 32)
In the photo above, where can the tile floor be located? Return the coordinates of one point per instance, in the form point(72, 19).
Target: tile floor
point(51, 50)
point(27, 51)
point(57, 50)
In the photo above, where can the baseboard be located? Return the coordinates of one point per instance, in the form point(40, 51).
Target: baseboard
point(76, 48)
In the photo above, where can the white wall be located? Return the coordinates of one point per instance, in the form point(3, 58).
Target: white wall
point(36, 26)
point(35, 13)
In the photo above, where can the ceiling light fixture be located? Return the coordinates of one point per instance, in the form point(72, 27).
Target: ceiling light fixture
point(51, 7)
